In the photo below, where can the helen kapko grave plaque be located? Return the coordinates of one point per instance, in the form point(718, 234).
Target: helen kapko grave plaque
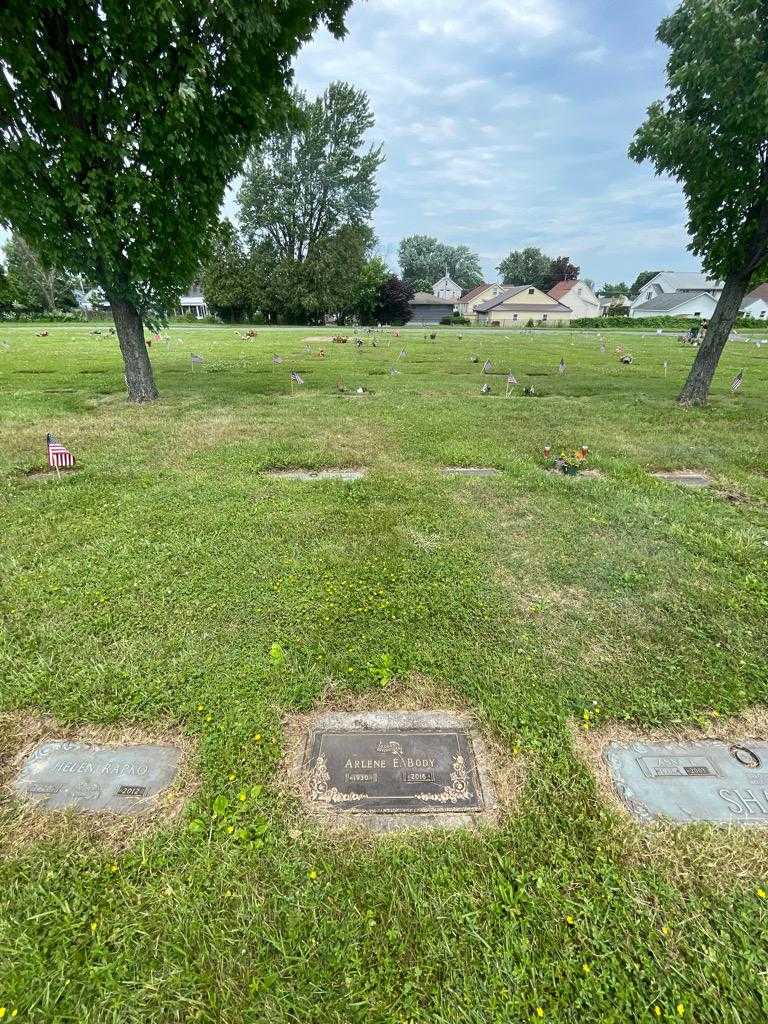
point(386, 764)
point(89, 778)
point(704, 780)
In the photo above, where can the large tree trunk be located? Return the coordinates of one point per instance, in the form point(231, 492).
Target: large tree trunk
point(138, 369)
point(697, 386)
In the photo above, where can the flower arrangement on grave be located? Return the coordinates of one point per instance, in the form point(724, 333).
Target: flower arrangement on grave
point(340, 339)
point(568, 464)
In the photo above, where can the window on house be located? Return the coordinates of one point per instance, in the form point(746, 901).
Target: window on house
point(697, 314)
point(531, 291)
point(762, 313)
point(514, 316)
point(544, 316)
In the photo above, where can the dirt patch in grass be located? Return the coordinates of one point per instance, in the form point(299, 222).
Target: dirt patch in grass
point(719, 852)
point(26, 824)
point(41, 474)
point(501, 771)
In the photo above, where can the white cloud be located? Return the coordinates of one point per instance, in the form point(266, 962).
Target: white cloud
point(596, 55)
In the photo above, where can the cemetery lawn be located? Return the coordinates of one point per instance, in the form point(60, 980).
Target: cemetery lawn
point(147, 589)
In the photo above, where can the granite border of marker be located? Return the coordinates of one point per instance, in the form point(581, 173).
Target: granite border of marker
point(301, 729)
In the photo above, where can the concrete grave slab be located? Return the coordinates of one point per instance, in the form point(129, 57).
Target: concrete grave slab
point(470, 471)
point(394, 770)
point(684, 477)
point(317, 474)
point(85, 777)
point(708, 780)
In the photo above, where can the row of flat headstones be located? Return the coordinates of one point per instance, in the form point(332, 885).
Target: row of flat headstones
point(684, 477)
point(401, 765)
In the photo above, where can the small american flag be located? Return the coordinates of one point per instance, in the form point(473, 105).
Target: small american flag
point(561, 367)
point(737, 381)
point(277, 360)
point(403, 354)
point(196, 360)
point(393, 370)
point(485, 389)
point(296, 377)
point(512, 380)
point(487, 366)
point(58, 456)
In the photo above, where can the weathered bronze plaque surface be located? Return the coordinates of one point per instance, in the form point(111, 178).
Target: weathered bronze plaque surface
point(119, 779)
point(414, 771)
point(708, 780)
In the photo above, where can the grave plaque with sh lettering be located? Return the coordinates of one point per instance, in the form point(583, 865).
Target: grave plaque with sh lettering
point(88, 778)
point(392, 771)
point(705, 780)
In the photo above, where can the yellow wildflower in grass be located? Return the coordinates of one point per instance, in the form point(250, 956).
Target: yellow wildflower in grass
point(3, 1012)
point(539, 1012)
point(657, 1010)
point(665, 930)
point(200, 707)
point(586, 968)
point(209, 718)
point(680, 1010)
point(231, 776)
point(312, 875)
point(93, 927)
point(241, 797)
point(113, 868)
point(761, 893)
point(569, 920)
point(257, 738)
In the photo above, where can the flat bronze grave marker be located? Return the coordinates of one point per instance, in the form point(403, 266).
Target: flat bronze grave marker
point(317, 474)
point(392, 764)
point(119, 779)
point(705, 780)
point(470, 471)
point(684, 477)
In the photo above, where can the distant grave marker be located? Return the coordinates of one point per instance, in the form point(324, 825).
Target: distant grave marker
point(470, 471)
point(684, 477)
point(705, 780)
point(317, 474)
point(63, 774)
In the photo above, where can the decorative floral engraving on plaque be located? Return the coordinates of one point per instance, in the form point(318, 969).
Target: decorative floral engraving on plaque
point(457, 790)
point(321, 791)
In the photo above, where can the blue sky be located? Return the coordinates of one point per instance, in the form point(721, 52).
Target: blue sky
point(506, 123)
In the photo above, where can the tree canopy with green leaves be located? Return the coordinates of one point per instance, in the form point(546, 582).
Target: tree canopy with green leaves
point(424, 260)
point(525, 266)
point(227, 275)
point(312, 176)
point(711, 133)
point(121, 124)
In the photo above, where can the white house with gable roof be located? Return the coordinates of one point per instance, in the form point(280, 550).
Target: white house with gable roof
point(673, 294)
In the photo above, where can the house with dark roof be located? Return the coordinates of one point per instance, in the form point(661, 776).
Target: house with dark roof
point(578, 295)
point(696, 289)
point(696, 305)
point(755, 304)
point(427, 308)
point(518, 304)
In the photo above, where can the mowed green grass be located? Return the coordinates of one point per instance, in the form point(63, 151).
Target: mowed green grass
point(153, 583)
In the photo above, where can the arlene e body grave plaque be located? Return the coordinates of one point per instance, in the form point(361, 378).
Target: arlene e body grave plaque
point(395, 765)
point(63, 774)
point(704, 780)
point(470, 471)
